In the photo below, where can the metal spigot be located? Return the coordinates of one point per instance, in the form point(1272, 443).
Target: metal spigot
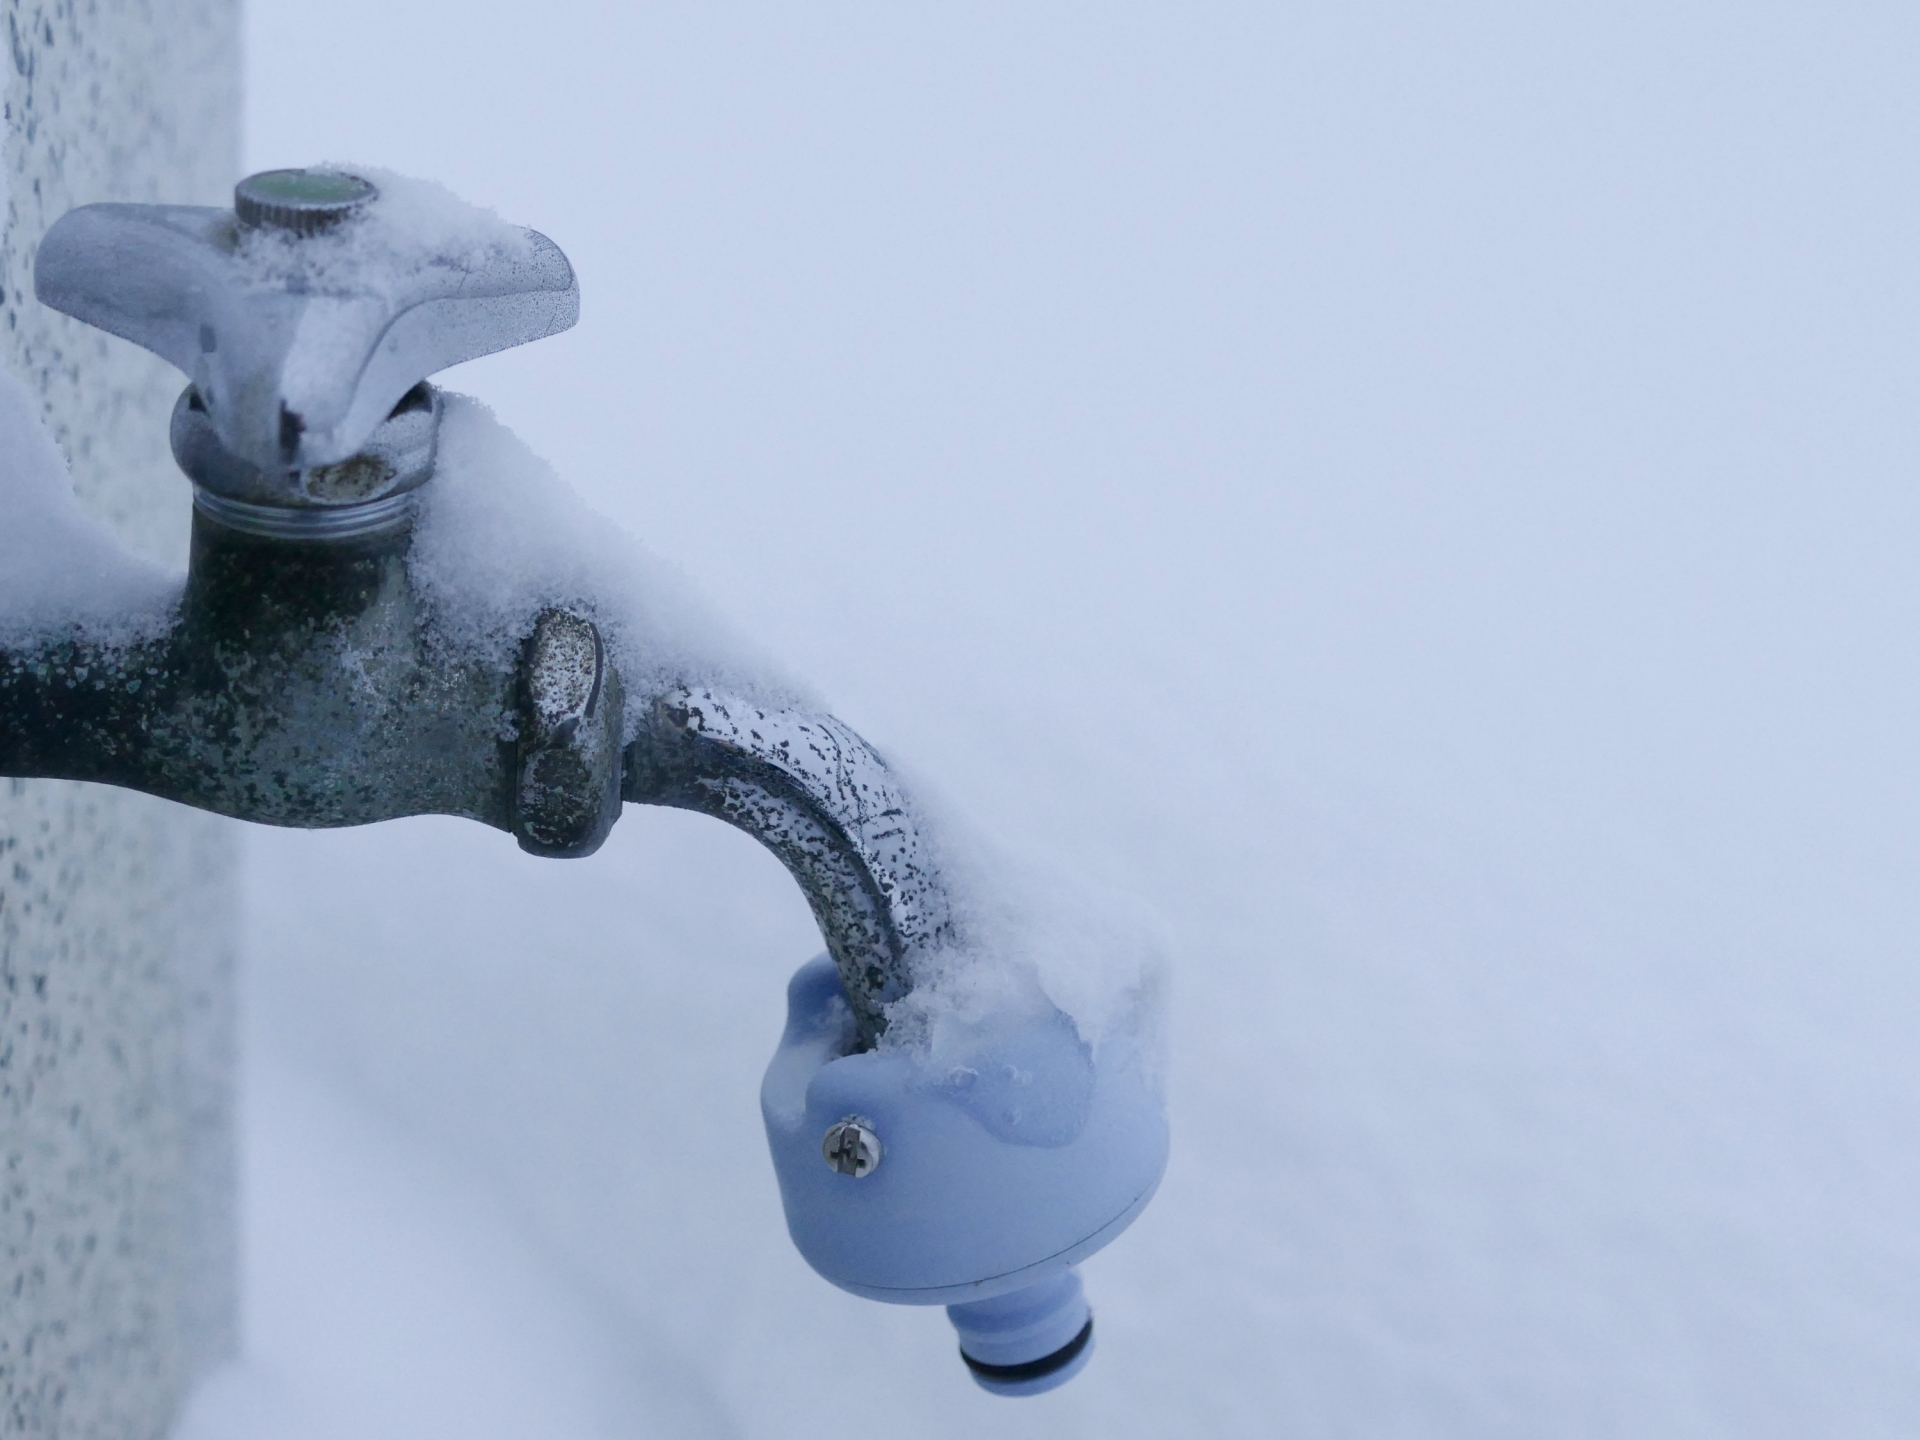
point(304, 680)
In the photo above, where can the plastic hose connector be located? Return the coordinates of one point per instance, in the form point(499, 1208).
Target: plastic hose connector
point(1002, 1163)
point(1029, 1341)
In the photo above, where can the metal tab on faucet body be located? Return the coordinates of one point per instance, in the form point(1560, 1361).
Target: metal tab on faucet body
point(567, 786)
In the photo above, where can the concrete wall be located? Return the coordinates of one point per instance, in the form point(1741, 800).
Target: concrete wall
point(116, 911)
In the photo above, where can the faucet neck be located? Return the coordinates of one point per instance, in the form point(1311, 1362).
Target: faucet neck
point(392, 515)
point(252, 583)
point(369, 492)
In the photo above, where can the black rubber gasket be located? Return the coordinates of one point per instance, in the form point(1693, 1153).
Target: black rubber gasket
point(1033, 1369)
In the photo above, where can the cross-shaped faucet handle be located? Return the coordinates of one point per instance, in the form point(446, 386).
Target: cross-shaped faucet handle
point(305, 314)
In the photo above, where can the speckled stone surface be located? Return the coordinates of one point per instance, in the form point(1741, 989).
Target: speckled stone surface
point(116, 911)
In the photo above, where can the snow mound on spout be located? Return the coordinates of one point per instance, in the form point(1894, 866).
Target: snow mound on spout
point(61, 571)
point(501, 536)
point(1031, 938)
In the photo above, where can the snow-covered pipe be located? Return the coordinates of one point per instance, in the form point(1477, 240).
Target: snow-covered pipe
point(349, 645)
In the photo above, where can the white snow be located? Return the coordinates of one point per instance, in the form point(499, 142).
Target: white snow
point(61, 571)
point(1033, 937)
point(475, 1334)
point(500, 536)
point(1420, 497)
point(416, 223)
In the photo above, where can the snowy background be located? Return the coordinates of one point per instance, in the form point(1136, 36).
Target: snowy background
point(1424, 496)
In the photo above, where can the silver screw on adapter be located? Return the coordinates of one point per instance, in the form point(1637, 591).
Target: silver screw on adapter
point(852, 1147)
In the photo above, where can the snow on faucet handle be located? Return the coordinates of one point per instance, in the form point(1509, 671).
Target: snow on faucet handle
point(304, 316)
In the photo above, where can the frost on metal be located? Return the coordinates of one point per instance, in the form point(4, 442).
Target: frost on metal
point(299, 346)
point(417, 226)
point(817, 795)
point(502, 537)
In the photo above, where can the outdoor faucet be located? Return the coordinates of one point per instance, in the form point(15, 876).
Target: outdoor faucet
point(303, 676)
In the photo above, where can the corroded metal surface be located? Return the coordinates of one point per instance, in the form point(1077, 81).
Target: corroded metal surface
point(572, 711)
point(300, 686)
point(305, 683)
point(812, 791)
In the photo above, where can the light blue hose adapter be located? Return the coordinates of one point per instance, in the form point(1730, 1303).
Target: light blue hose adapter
point(976, 1181)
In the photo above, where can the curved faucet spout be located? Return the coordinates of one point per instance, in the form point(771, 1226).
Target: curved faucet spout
point(817, 795)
